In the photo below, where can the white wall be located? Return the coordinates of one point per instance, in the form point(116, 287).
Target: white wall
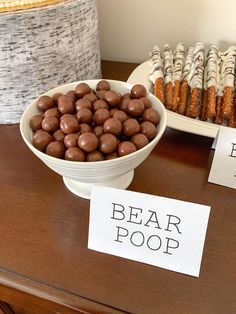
point(130, 28)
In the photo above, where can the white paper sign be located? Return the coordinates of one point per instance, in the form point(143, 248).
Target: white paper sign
point(155, 230)
point(223, 168)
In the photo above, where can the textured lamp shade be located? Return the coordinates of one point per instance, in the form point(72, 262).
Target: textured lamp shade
point(44, 47)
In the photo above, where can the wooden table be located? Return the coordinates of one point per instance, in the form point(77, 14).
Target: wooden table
point(45, 266)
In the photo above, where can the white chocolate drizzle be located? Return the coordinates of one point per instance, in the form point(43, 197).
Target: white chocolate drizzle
point(213, 61)
point(197, 69)
point(178, 62)
point(228, 66)
point(156, 64)
point(168, 64)
point(187, 65)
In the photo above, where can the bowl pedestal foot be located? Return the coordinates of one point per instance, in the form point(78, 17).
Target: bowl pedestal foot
point(83, 190)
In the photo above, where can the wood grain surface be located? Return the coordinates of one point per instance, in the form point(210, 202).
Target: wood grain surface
point(44, 260)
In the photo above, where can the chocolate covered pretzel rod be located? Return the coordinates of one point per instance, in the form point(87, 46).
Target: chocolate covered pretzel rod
point(168, 75)
point(185, 82)
point(177, 74)
point(218, 119)
point(196, 82)
point(156, 75)
point(228, 68)
point(212, 80)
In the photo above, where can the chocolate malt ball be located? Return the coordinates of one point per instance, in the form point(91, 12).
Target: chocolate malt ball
point(107, 143)
point(139, 140)
point(41, 139)
point(126, 148)
point(69, 125)
point(95, 156)
point(88, 142)
point(98, 130)
point(50, 124)
point(65, 105)
point(101, 115)
point(148, 129)
point(82, 89)
point(52, 112)
point(103, 85)
point(131, 127)
point(119, 115)
point(112, 126)
point(84, 115)
point(112, 98)
point(36, 122)
point(135, 108)
point(146, 101)
point(151, 115)
point(74, 154)
point(111, 156)
point(55, 149)
point(99, 104)
point(45, 102)
point(84, 127)
point(71, 140)
point(58, 135)
point(83, 103)
point(90, 97)
point(138, 91)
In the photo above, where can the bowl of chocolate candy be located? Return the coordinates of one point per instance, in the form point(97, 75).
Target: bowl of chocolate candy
point(94, 132)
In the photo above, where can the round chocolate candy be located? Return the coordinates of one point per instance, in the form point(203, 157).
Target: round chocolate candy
point(52, 112)
point(107, 143)
point(74, 154)
point(45, 102)
point(84, 115)
point(71, 140)
point(36, 122)
point(101, 115)
point(124, 104)
point(146, 101)
point(65, 105)
point(148, 129)
point(90, 97)
point(41, 139)
point(119, 115)
point(58, 135)
point(126, 96)
point(113, 98)
point(111, 156)
point(101, 94)
point(50, 124)
point(83, 103)
point(139, 140)
point(88, 141)
point(55, 149)
point(151, 115)
point(84, 127)
point(135, 108)
point(55, 97)
point(103, 85)
point(69, 124)
point(138, 91)
point(98, 130)
point(72, 95)
point(95, 156)
point(112, 126)
point(99, 104)
point(126, 148)
point(130, 127)
point(82, 89)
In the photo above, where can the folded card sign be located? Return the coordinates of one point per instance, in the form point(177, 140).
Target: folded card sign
point(155, 230)
point(223, 168)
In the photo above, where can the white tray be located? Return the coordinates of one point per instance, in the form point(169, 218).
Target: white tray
point(174, 120)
